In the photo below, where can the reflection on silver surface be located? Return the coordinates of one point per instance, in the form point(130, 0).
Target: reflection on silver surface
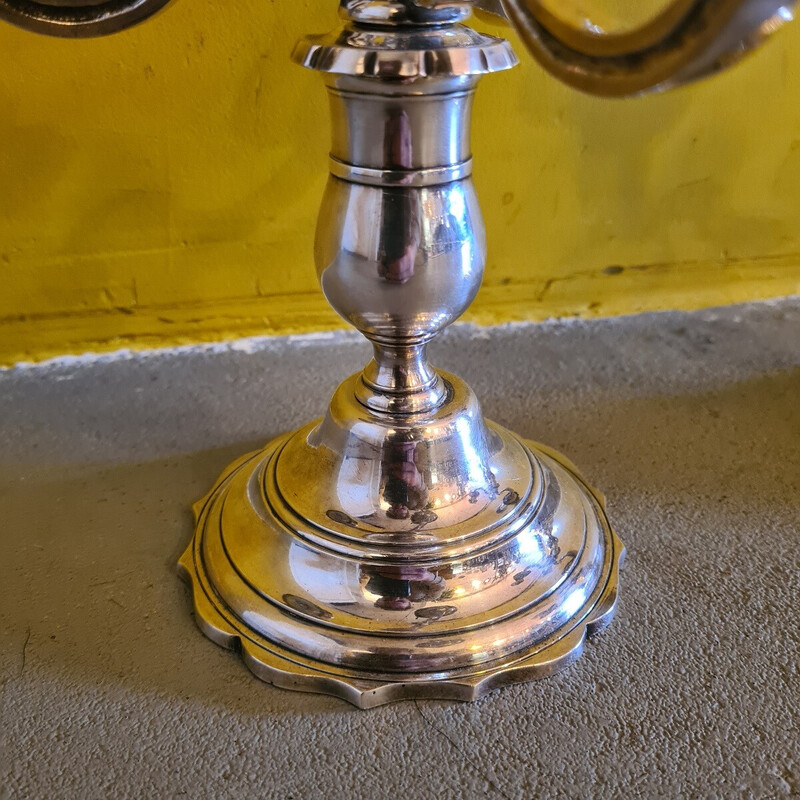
point(334, 602)
point(400, 261)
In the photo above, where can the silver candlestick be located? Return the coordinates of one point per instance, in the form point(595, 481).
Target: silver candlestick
point(402, 546)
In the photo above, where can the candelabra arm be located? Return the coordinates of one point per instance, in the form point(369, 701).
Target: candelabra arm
point(685, 41)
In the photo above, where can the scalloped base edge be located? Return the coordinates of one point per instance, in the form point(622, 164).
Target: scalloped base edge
point(270, 666)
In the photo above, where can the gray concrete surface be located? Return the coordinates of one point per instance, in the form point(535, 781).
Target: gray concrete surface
point(689, 422)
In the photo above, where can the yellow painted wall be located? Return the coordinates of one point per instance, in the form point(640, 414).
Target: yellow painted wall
point(161, 186)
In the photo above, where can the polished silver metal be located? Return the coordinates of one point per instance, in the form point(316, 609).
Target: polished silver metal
point(403, 12)
point(402, 546)
point(78, 18)
point(688, 40)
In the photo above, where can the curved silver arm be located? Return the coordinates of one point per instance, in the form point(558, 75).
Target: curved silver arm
point(688, 40)
point(77, 18)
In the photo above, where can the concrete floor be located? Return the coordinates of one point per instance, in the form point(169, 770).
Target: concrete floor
point(690, 423)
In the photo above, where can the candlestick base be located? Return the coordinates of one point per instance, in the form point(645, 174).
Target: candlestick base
point(376, 558)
